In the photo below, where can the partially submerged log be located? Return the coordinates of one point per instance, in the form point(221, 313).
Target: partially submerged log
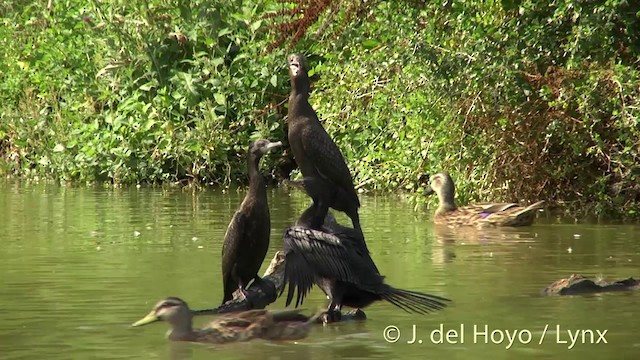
point(577, 284)
point(259, 294)
point(262, 293)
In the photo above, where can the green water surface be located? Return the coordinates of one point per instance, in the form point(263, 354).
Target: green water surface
point(79, 265)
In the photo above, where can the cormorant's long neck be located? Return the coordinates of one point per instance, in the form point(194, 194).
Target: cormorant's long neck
point(299, 96)
point(257, 186)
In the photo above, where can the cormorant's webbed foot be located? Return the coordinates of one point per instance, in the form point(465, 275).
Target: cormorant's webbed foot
point(331, 316)
point(243, 292)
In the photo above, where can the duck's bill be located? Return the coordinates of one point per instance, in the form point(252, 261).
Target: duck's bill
point(151, 317)
point(428, 191)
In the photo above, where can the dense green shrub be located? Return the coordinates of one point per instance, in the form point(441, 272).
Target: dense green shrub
point(519, 100)
point(534, 101)
point(135, 91)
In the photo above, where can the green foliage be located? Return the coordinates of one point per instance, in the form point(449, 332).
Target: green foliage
point(531, 101)
point(519, 100)
point(135, 91)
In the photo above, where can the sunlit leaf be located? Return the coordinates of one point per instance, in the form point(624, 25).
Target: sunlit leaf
point(256, 25)
point(217, 61)
point(370, 44)
point(147, 87)
point(225, 31)
point(220, 98)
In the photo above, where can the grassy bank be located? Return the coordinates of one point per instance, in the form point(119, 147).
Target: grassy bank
point(518, 100)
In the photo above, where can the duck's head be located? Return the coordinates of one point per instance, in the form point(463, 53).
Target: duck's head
point(172, 309)
point(443, 186)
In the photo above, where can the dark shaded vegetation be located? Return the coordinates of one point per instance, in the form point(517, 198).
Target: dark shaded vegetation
point(518, 100)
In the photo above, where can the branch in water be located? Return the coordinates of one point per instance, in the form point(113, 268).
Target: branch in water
point(262, 293)
point(259, 294)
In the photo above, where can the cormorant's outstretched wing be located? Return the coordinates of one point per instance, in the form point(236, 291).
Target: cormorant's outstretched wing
point(312, 254)
point(332, 226)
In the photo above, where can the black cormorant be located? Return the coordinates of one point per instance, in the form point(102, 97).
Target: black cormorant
point(247, 238)
point(327, 179)
point(336, 259)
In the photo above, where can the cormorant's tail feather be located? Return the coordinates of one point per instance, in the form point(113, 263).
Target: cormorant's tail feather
point(413, 301)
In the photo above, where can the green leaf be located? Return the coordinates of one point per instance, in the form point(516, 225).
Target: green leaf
point(149, 124)
point(58, 148)
point(147, 86)
point(256, 25)
point(44, 161)
point(223, 32)
point(274, 80)
point(220, 99)
point(188, 82)
point(370, 44)
point(217, 61)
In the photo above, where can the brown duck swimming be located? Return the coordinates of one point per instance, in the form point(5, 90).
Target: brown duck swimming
point(247, 238)
point(327, 179)
point(232, 327)
point(483, 214)
point(336, 259)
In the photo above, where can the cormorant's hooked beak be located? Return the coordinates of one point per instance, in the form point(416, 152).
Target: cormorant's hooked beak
point(428, 191)
point(273, 145)
point(151, 317)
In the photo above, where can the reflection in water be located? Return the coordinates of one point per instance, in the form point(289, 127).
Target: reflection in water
point(448, 238)
point(471, 235)
point(79, 265)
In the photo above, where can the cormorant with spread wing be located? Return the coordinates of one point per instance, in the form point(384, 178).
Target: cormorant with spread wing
point(336, 259)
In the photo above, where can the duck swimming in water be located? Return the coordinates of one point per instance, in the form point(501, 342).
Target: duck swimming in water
point(232, 327)
point(483, 214)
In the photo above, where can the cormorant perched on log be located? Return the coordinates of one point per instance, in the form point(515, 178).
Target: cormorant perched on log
point(337, 261)
point(327, 179)
point(247, 238)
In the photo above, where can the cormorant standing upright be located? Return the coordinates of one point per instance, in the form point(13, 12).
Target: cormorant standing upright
point(327, 179)
point(247, 238)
